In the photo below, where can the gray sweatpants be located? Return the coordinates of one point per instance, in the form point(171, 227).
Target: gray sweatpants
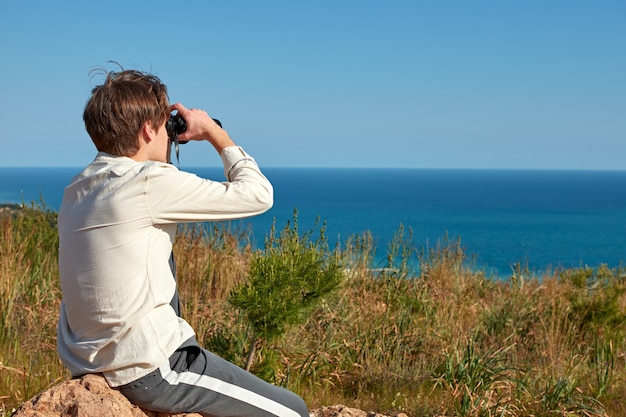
point(196, 380)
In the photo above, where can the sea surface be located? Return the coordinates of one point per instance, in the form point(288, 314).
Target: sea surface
point(541, 220)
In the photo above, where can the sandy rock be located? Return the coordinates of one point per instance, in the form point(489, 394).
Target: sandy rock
point(343, 411)
point(89, 396)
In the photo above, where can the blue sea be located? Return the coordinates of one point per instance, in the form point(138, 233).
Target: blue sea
point(540, 219)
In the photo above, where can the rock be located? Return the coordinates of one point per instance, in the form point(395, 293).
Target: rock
point(343, 411)
point(89, 396)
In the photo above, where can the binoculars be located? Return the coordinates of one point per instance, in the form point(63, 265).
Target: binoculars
point(177, 125)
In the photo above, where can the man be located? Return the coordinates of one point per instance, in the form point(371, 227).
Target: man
point(119, 315)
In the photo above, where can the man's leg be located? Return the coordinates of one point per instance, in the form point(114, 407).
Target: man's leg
point(196, 380)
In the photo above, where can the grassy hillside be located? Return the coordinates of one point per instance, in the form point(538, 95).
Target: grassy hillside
point(442, 340)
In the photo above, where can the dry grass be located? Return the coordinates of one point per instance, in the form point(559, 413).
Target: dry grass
point(29, 302)
point(443, 340)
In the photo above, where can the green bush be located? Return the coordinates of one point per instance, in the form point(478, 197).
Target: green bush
point(287, 279)
point(595, 297)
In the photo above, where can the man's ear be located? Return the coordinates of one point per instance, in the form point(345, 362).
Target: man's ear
point(147, 133)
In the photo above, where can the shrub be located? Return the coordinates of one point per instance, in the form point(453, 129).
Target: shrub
point(287, 279)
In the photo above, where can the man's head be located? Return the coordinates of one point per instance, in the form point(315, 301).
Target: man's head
point(119, 108)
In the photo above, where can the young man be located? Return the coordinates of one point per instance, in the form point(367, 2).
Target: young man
point(119, 315)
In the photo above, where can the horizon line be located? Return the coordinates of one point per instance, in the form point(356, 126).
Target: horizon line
point(194, 167)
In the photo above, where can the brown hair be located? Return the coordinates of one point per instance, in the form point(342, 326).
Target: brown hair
point(117, 110)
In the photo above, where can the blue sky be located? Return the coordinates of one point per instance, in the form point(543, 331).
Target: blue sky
point(530, 84)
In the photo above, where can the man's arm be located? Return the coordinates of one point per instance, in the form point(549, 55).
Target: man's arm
point(200, 126)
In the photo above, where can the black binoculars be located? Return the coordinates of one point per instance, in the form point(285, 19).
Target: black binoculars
point(177, 125)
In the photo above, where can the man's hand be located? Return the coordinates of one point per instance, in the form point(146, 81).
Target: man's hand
point(200, 126)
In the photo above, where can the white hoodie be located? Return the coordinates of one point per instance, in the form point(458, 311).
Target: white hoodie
point(117, 224)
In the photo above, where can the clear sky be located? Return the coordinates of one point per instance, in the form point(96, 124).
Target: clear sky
point(537, 84)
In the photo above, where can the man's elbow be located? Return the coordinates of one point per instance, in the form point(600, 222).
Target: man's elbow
point(266, 200)
point(261, 198)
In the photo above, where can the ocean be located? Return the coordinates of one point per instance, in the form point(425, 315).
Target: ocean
point(539, 219)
